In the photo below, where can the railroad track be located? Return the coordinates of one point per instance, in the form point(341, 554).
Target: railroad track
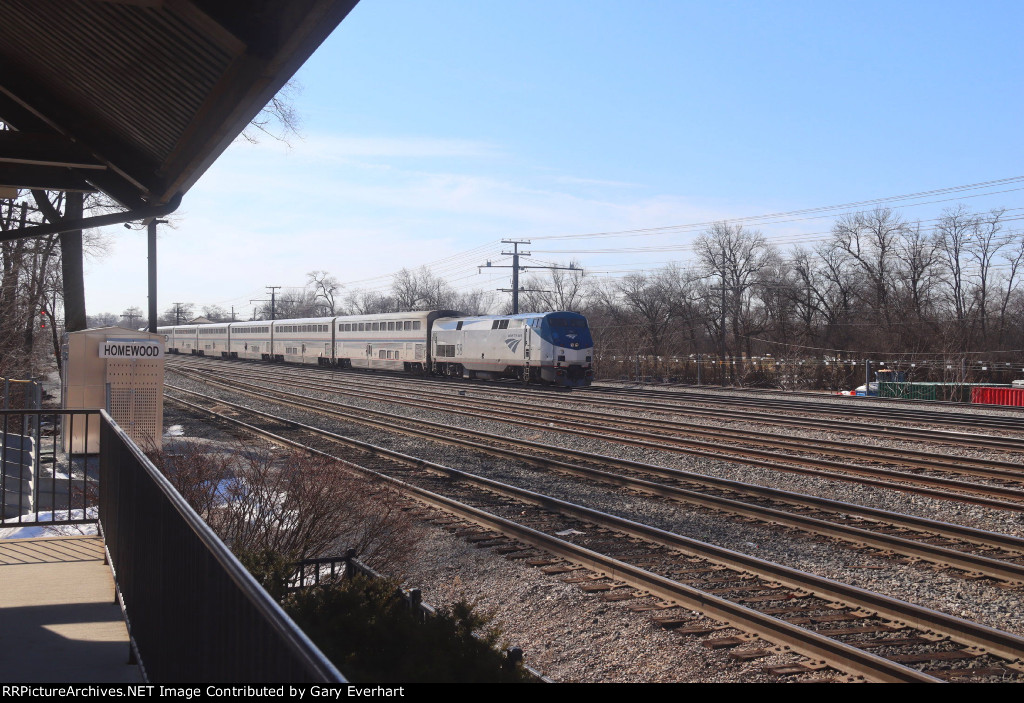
point(814, 396)
point(975, 552)
point(854, 630)
point(1007, 496)
point(672, 406)
point(950, 419)
point(669, 431)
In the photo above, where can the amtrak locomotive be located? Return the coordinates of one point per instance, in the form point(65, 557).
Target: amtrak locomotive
point(553, 347)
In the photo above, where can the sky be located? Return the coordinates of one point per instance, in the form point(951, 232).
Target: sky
point(603, 132)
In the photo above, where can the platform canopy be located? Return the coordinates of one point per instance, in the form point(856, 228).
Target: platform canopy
point(136, 98)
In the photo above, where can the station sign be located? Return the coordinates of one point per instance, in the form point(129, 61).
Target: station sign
point(131, 349)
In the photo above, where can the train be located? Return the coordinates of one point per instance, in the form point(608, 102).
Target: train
point(551, 348)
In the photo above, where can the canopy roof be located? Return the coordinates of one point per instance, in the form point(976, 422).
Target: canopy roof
point(136, 98)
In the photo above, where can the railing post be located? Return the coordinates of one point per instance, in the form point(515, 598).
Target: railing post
point(513, 657)
point(350, 555)
point(416, 601)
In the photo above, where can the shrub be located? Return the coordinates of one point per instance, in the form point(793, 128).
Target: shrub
point(372, 636)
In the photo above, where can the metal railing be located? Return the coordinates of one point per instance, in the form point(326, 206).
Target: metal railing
point(313, 572)
point(194, 612)
point(47, 481)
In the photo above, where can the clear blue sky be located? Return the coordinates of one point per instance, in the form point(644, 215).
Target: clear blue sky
point(430, 131)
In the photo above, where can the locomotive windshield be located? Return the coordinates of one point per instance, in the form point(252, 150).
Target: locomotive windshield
point(566, 330)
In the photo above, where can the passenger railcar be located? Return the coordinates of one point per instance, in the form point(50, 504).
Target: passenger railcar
point(543, 347)
point(395, 341)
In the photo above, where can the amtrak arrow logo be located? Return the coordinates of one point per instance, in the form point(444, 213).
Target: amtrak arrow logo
point(512, 343)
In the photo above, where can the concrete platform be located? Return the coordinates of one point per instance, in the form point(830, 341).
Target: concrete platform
point(58, 617)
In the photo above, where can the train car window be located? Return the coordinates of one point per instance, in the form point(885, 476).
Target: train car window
point(381, 354)
point(415, 324)
point(408, 325)
point(502, 324)
point(494, 325)
point(396, 355)
point(391, 327)
point(459, 325)
point(360, 327)
point(376, 327)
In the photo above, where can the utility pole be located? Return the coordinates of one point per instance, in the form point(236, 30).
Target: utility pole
point(151, 244)
point(516, 268)
point(177, 313)
point(272, 301)
point(131, 318)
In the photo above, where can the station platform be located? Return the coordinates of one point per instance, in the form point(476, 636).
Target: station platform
point(60, 621)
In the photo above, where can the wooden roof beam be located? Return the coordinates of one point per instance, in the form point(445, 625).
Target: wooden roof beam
point(43, 177)
point(42, 149)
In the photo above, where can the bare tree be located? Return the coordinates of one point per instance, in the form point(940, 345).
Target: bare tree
point(1014, 263)
point(297, 505)
point(952, 237)
point(177, 314)
point(325, 292)
point(983, 247)
point(474, 302)
point(278, 119)
point(421, 290)
point(736, 256)
point(644, 296)
point(359, 302)
point(109, 319)
point(870, 240)
point(558, 289)
point(216, 313)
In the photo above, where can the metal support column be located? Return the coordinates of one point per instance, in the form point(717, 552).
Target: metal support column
point(152, 273)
